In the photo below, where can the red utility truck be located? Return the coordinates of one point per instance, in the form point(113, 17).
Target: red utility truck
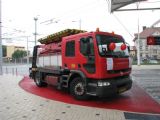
point(84, 63)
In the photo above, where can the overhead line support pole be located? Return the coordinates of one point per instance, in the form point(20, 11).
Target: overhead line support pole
point(1, 56)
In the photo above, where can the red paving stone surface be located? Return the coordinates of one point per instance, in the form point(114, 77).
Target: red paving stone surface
point(135, 100)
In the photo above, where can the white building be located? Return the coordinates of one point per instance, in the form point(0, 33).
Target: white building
point(148, 51)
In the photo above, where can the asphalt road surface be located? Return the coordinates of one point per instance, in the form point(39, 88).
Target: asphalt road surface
point(148, 79)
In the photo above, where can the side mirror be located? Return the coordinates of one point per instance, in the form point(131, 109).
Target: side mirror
point(128, 46)
point(128, 49)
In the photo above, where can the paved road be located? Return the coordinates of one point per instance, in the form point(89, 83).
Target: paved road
point(148, 79)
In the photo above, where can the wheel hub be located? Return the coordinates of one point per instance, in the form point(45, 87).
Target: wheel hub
point(79, 89)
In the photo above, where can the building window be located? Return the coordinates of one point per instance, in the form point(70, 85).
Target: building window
point(70, 49)
point(140, 43)
point(154, 51)
point(154, 56)
point(140, 47)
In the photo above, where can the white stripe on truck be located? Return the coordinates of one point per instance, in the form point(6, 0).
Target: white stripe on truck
point(109, 63)
point(53, 60)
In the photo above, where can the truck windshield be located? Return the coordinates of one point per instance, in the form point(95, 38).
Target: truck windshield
point(104, 41)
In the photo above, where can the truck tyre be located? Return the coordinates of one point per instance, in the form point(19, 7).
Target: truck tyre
point(78, 89)
point(38, 81)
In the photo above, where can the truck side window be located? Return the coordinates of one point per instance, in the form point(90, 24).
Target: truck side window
point(86, 46)
point(70, 49)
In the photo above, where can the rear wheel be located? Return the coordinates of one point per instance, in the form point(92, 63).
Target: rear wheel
point(78, 89)
point(38, 80)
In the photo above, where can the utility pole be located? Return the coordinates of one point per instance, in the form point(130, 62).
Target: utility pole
point(35, 19)
point(138, 41)
point(1, 60)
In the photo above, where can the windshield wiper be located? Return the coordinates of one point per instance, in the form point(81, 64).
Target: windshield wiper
point(111, 55)
point(115, 55)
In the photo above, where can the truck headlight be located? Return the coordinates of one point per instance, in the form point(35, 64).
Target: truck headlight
point(100, 84)
point(106, 83)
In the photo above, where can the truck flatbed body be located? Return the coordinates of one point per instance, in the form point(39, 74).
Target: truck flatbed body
point(51, 69)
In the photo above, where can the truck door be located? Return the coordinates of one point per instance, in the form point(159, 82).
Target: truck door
point(87, 56)
point(69, 59)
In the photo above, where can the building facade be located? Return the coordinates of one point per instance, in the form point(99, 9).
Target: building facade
point(10, 50)
point(148, 51)
point(133, 52)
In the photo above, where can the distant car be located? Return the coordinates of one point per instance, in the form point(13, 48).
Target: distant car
point(153, 61)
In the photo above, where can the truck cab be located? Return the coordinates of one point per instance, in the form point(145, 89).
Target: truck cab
point(103, 58)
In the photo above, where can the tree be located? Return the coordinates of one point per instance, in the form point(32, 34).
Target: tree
point(19, 54)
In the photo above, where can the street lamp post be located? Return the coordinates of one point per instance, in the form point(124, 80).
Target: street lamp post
point(35, 19)
point(0, 41)
point(27, 52)
point(80, 23)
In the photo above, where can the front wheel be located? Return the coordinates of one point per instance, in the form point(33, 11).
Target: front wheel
point(78, 89)
point(38, 80)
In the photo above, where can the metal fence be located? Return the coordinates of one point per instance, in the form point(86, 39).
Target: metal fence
point(16, 69)
point(17, 61)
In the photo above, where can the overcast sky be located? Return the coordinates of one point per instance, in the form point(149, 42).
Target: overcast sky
point(17, 18)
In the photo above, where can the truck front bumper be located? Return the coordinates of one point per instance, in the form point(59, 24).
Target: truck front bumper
point(109, 87)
